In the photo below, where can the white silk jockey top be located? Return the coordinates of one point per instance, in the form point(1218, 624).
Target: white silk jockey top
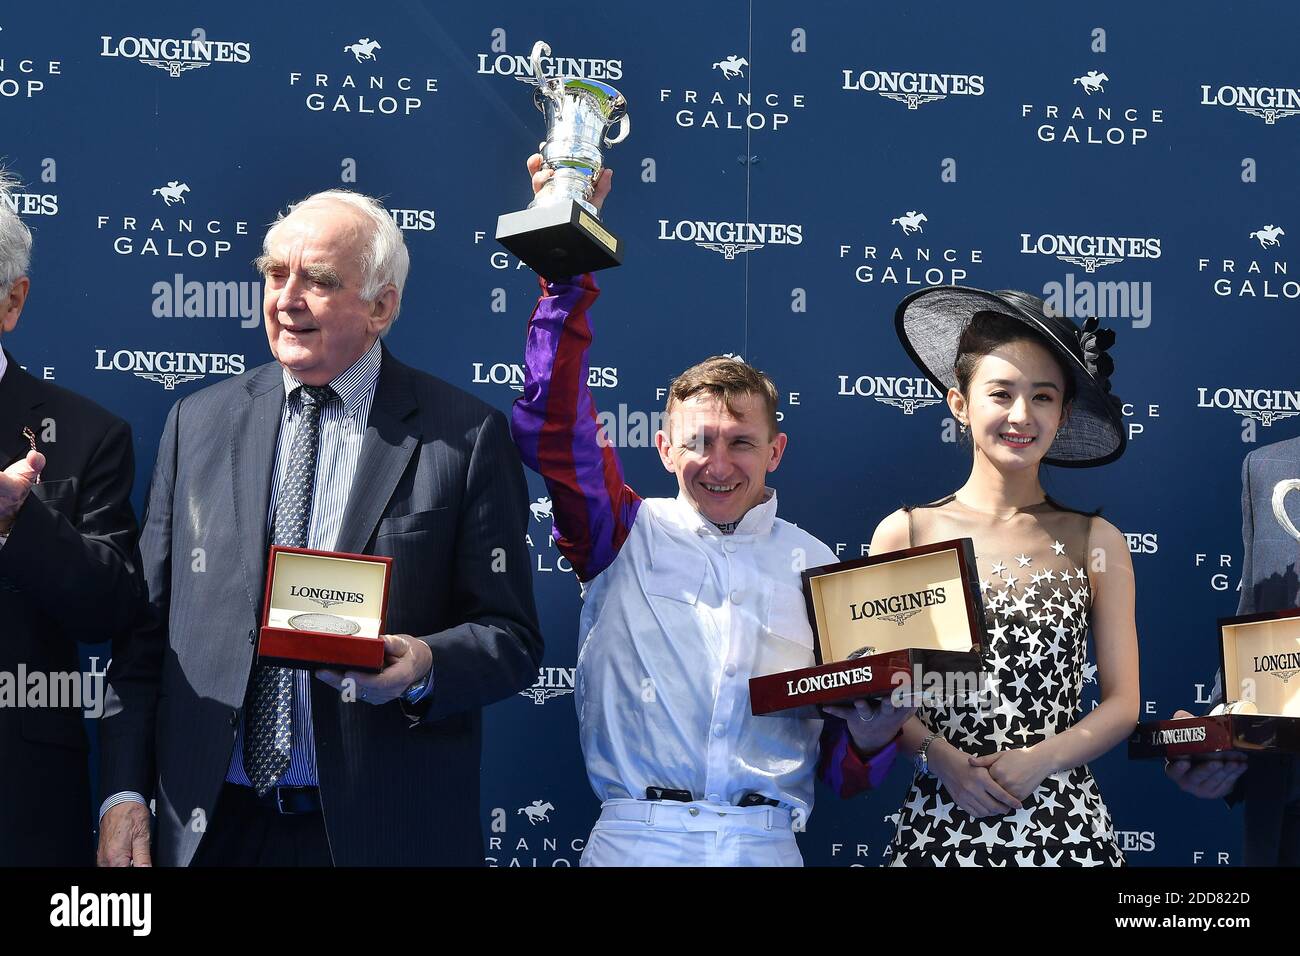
point(670, 634)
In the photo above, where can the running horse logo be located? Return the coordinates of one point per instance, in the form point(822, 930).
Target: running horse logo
point(1092, 82)
point(911, 222)
point(363, 49)
point(173, 193)
point(732, 67)
point(537, 812)
point(1267, 235)
point(541, 508)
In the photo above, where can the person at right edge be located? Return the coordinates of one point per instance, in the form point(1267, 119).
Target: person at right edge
point(684, 599)
point(1003, 779)
point(1266, 783)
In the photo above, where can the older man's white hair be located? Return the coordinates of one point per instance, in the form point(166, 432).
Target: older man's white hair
point(15, 237)
point(385, 260)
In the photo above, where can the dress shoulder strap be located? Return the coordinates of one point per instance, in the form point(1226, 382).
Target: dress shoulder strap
point(911, 534)
point(1060, 507)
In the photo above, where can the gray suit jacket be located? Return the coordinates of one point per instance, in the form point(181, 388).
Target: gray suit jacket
point(1270, 581)
point(439, 488)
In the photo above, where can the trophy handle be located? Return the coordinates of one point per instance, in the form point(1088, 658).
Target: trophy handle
point(1280, 491)
point(625, 126)
point(540, 49)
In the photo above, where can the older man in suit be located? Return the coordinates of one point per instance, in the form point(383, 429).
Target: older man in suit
point(67, 573)
point(1268, 783)
point(336, 446)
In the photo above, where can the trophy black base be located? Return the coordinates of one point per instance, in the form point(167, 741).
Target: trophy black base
point(1208, 735)
point(559, 241)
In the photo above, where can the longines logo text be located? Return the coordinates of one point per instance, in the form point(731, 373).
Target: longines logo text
point(907, 394)
point(913, 89)
point(816, 682)
point(33, 204)
point(1136, 841)
point(1142, 542)
point(1265, 405)
point(513, 374)
point(1090, 252)
point(1269, 103)
point(327, 597)
point(1281, 666)
point(176, 56)
point(519, 66)
point(169, 369)
point(730, 239)
point(1177, 735)
point(413, 220)
point(898, 607)
point(730, 105)
point(366, 95)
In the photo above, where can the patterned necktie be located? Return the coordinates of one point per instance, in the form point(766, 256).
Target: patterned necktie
point(269, 738)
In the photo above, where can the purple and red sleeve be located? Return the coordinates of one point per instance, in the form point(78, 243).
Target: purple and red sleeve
point(554, 425)
point(840, 767)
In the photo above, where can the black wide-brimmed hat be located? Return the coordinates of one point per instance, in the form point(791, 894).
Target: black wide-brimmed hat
point(930, 323)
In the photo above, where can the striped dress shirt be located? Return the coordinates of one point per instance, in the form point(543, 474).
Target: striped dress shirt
point(342, 428)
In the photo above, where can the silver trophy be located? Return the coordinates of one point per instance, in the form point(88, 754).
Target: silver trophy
point(1280, 491)
point(560, 233)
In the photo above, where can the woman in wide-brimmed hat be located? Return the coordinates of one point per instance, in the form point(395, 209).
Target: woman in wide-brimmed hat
point(1004, 779)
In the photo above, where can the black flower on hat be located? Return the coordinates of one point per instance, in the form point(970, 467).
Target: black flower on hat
point(1094, 342)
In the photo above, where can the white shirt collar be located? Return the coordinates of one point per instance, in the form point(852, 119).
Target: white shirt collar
point(353, 385)
point(4, 363)
point(757, 520)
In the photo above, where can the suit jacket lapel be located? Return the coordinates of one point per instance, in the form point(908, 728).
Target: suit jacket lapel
point(254, 435)
point(390, 439)
point(18, 407)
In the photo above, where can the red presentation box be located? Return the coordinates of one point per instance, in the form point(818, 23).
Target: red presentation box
point(325, 609)
point(876, 619)
point(1260, 656)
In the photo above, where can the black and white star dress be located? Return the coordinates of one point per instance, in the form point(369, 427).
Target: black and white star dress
point(1038, 600)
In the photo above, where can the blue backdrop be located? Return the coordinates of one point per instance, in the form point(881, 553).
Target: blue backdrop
point(1151, 144)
